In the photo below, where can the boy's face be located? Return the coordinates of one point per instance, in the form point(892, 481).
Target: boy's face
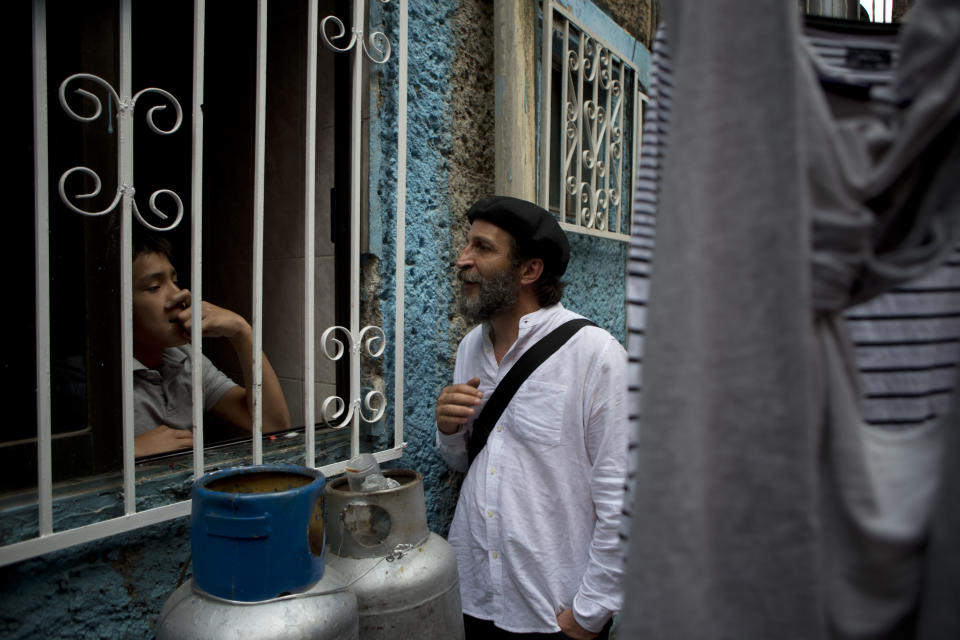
point(154, 284)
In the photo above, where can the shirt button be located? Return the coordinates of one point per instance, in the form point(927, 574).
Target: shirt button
point(495, 555)
point(493, 471)
point(499, 427)
point(490, 513)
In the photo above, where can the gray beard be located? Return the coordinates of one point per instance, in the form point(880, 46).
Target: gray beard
point(498, 293)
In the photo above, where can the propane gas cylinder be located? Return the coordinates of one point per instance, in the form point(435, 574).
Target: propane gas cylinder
point(405, 577)
point(257, 543)
point(326, 611)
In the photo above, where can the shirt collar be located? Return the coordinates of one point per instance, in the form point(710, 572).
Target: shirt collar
point(174, 356)
point(529, 322)
point(534, 319)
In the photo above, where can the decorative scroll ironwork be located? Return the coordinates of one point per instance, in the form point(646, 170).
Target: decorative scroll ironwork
point(376, 46)
point(123, 107)
point(371, 340)
point(596, 114)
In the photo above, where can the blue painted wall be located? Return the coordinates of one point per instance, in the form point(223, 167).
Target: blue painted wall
point(112, 588)
point(116, 587)
point(428, 296)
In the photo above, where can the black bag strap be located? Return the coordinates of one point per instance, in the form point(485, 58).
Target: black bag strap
point(527, 364)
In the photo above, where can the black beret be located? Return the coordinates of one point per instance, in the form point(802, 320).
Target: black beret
point(536, 231)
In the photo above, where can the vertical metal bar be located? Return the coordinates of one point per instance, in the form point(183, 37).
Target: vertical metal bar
point(125, 142)
point(605, 132)
point(618, 176)
point(628, 176)
point(310, 423)
point(578, 158)
point(196, 233)
point(355, 157)
point(595, 137)
point(400, 256)
point(638, 126)
point(42, 263)
point(261, 98)
point(625, 184)
point(546, 100)
point(564, 97)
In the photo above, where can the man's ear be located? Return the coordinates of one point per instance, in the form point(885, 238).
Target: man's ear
point(531, 270)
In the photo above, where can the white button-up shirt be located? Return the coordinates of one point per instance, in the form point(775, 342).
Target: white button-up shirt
point(535, 529)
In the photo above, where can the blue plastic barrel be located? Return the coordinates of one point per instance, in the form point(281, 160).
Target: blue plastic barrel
point(257, 532)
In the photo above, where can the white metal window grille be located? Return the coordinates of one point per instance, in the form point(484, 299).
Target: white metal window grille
point(351, 341)
point(589, 127)
point(872, 11)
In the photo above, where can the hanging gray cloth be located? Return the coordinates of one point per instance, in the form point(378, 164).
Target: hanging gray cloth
point(754, 513)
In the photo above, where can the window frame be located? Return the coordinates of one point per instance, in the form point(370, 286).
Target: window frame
point(590, 23)
point(351, 343)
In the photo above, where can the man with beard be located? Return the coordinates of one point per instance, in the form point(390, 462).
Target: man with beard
point(536, 524)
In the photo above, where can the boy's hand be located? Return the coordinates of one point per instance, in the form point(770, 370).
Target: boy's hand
point(161, 439)
point(215, 321)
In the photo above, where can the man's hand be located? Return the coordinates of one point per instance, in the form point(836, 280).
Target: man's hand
point(216, 321)
point(569, 627)
point(161, 439)
point(456, 404)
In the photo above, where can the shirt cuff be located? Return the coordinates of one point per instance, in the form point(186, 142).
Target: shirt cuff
point(589, 615)
point(451, 439)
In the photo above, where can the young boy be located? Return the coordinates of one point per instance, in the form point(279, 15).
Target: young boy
point(162, 317)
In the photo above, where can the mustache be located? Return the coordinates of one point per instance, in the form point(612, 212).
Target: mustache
point(466, 276)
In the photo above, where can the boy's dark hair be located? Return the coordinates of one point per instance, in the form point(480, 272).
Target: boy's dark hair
point(148, 242)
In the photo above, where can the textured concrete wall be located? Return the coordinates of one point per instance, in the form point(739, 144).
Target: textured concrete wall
point(116, 587)
point(900, 7)
point(595, 282)
point(433, 47)
point(638, 17)
point(113, 588)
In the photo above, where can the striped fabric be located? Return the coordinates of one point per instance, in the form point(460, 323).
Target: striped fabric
point(907, 342)
point(858, 59)
point(907, 345)
point(655, 124)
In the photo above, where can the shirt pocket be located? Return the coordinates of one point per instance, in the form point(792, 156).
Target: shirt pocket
point(536, 412)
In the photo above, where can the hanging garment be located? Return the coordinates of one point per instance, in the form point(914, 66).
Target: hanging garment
point(640, 254)
point(753, 495)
